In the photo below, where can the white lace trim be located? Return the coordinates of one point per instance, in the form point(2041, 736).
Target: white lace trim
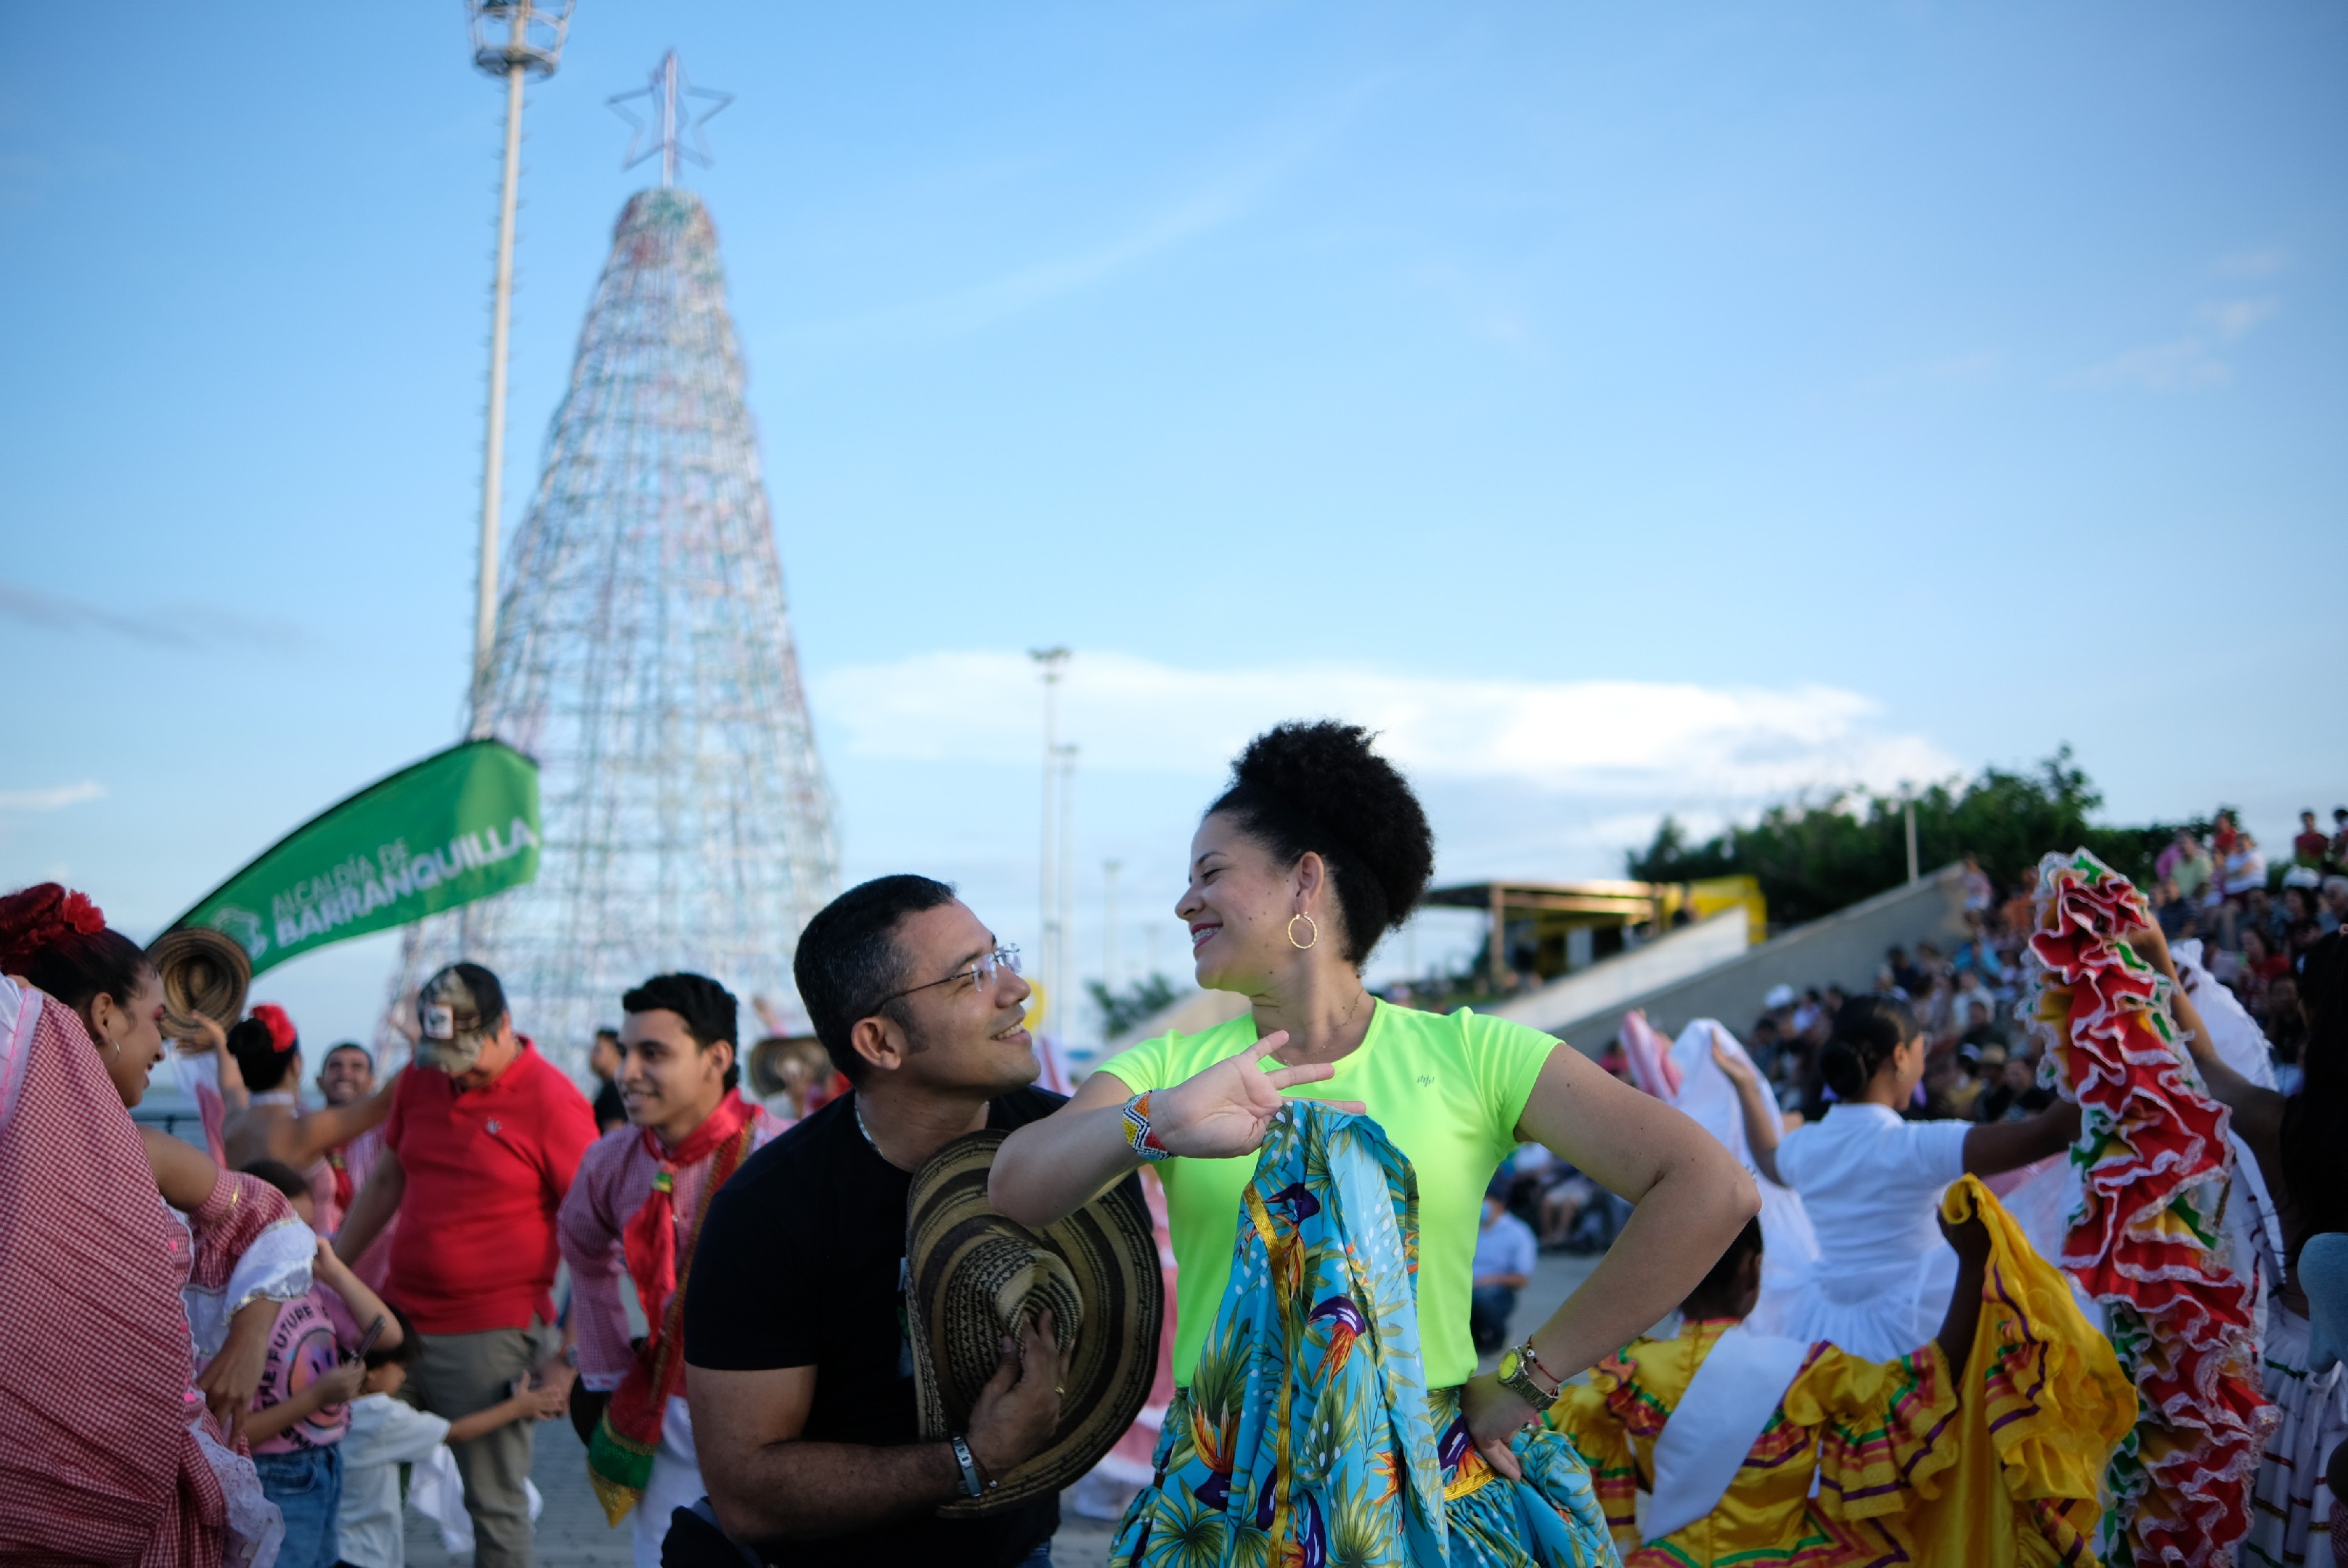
point(275, 1267)
point(255, 1527)
point(20, 1009)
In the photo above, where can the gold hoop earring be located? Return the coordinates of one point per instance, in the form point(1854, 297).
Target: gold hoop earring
point(1310, 926)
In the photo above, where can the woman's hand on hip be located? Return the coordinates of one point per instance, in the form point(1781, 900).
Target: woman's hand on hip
point(1223, 1110)
point(1495, 1415)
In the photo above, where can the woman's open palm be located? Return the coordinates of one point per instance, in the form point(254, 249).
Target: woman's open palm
point(1223, 1110)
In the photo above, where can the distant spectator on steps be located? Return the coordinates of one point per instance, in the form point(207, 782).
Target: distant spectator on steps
point(2245, 868)
point(2186, 862)
point(2310, 844)
point(2332, 910)
point(1505, 1255)
point(1978, 891)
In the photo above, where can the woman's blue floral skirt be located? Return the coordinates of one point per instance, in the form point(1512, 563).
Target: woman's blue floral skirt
point(1308, 1437)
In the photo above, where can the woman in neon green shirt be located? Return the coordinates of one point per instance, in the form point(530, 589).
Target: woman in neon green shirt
point(1316, 850)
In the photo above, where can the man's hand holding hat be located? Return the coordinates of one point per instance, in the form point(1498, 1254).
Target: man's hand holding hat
point(1018, 1411)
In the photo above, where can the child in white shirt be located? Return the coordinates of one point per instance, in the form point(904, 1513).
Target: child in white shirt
point(386, 1433)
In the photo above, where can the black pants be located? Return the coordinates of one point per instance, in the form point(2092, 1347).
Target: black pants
point(1488, 1309)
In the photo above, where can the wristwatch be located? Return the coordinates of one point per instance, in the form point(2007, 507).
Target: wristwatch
point(1516, 1375)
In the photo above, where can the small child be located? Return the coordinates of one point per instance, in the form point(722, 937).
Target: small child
point(303, 1405)
point(386, 1433)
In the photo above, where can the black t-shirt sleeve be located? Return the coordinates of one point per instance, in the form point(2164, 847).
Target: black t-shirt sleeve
point(751, 1304)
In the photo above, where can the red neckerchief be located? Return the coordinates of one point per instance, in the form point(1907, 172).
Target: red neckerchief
point(649, 1238)
point(343, 1194)
point(620, 1453)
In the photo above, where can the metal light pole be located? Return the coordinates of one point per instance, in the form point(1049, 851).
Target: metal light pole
point(513, 39)
point(1109, 868)
point(1908, 807)
point(1064, 854)
point(1050, 662)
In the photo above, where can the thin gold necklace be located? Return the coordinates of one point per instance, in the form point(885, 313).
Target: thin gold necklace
point(1362, 996)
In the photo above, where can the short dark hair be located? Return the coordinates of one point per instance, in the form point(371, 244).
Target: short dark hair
point(709, 1012)
point(348, 1045)
point(279, 1175)
point(608, 1032)
point(1320, 788)
point(1715, 1282)
point(848, 960)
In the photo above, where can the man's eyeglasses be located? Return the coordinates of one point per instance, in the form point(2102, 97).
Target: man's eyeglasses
point(980, 972)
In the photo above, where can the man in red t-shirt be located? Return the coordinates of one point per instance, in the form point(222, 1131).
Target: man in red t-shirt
point(481, 1144)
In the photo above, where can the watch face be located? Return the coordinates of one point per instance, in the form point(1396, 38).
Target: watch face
point(1508, 1367)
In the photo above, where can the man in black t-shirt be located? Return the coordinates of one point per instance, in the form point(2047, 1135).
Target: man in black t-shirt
point(799, 1375)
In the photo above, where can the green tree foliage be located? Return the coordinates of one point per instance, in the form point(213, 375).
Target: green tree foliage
point(1120, 1010)
point(1815, 857)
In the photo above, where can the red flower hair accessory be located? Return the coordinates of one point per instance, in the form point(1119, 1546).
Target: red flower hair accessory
point(35, 916)
point(271, 1017)
point(78, 912)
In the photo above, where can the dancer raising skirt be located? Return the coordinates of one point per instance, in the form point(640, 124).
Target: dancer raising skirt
point(1983, 1445)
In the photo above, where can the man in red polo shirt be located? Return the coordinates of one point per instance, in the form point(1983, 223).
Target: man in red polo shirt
point(479, 1149)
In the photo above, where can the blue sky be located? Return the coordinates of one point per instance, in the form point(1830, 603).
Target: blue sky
point(1625, 409)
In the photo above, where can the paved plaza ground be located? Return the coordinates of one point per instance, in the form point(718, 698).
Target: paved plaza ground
point(571, 1532)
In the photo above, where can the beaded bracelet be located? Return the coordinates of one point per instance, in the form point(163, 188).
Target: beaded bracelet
point(1136, 1129)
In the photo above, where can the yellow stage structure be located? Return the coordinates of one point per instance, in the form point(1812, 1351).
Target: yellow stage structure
point(1551, 929)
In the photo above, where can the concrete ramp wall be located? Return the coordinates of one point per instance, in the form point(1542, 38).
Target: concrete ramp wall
point(1845, 948)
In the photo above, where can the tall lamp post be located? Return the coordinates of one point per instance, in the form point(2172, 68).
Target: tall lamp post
point(512, 39)
point(1050, 664)
point(1908, 812)
point(1063, 855)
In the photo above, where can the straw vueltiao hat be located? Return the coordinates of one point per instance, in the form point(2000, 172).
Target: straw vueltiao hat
point(203, 971)
point(975, 1276)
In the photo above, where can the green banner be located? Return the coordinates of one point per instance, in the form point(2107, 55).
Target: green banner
point(454, 827)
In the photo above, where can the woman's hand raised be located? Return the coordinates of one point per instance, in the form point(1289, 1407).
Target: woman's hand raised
point(1223, 1110)
point(1736, 1065)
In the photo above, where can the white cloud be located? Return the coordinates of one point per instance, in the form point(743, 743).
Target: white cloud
point(1637, 740)
point(2232, 318)
point(2157, 367)
point(51, 799)
point(2259, 263)
point(2185, 363)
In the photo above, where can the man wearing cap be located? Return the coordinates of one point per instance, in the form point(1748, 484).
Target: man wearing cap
point(480, 1150)
point(633, 1216)
point(801, 1373)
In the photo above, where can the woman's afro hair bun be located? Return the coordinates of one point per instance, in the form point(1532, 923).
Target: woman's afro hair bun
point(1319, 787)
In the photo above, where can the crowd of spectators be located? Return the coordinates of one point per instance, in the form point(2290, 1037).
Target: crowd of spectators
point(2252, 919)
